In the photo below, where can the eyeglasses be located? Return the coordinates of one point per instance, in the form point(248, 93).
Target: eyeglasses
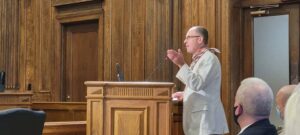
point(188, 37)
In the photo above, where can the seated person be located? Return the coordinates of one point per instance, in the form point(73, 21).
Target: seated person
point(252, 107)
point(282, 96)
point(291, 115)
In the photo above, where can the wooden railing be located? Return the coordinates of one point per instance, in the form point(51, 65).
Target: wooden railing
point(65, 128)
point(62, 111)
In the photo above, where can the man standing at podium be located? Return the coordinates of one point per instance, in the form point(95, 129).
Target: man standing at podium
point(203, 112)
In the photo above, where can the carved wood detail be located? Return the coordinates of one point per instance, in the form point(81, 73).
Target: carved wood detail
point(133, 112)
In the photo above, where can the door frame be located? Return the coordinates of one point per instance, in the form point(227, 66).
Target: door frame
point(59, 22)
point(247, 39)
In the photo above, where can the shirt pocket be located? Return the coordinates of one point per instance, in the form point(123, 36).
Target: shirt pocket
point(199, 108)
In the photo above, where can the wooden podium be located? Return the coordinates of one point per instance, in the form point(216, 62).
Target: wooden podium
point(129, 108)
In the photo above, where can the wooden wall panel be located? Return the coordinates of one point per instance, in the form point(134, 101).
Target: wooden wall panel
point(29, 33)
point(46, 43)
point(9, 42)
point(62, 111)
point(37, 48)
point(40, 45)
point(137, 34)
point(65, 128)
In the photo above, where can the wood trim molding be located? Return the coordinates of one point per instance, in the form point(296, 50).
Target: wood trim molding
point(67, 12)
point(64, 127)
point(248, 3)
point(57, 3)
point(79, 16)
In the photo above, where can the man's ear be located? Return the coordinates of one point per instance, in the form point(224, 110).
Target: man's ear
point(200, 40)
point(239, 110)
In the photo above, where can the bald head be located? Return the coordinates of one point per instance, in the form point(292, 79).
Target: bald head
point(202, 31)
point(282, 97)
point(255, 96)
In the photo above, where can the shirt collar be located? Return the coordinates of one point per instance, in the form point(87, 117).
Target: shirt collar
point(243, 129)
point(199, 53)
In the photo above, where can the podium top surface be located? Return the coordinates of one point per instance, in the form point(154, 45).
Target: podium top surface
point(127, 83)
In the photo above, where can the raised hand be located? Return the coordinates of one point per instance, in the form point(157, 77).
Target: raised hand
point(176, 57)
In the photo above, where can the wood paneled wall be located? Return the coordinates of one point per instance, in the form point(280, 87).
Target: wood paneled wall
point(62, 111)
point(9, 42)
point(137, 35)
point(37, 48)
point(134, 33)
point(40, 44)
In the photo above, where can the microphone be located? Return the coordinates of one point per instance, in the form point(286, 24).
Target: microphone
point(2, 77)
point(2, 81)
point(120, 74)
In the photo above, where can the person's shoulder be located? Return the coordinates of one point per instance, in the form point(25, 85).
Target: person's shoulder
point(260, 130)
point(262, 127)
point(208, 54)
point(210, 57)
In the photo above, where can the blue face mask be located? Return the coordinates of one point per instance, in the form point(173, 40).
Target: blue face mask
point(278, 113)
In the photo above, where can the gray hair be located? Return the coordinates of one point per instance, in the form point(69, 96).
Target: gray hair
point(203, 32)
point(255, 96)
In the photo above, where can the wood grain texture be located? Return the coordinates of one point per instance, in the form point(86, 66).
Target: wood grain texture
point(68, 2)
point(65, 128)
point(35, 48)
point(62, 111)
point(134, 33)
point(9, 42)
point(15, 99)
point(137, 34)
point(110, 110)
point(80, 56)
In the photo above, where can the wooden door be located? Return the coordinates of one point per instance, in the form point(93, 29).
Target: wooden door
point(247, 49)
point(80, 59)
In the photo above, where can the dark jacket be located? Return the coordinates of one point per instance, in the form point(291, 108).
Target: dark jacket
point(261, 127)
